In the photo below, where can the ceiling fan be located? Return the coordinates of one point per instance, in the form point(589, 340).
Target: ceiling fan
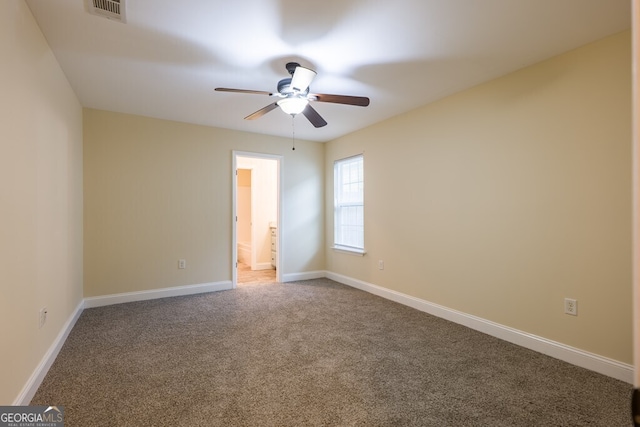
point(295, 97)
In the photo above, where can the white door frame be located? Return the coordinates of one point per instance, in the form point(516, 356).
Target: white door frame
point(636, 207)
point(234, 211)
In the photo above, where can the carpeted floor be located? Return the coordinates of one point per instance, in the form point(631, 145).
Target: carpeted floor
point(311, 353)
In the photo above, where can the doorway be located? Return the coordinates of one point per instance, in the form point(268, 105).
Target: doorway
point(256, 216)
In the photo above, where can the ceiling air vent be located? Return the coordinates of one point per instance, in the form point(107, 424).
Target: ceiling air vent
point(111, 9)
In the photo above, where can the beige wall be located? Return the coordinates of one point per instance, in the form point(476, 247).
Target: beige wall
point(519, 196)
point(157, 191)
point(40, 198)
point(502, 200)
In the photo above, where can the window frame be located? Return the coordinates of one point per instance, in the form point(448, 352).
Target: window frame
point(341, 245)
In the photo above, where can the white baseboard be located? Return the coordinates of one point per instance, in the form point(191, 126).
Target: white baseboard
point(264, 266)
point(31, 387)
point(175, 291)
point(292, 277)
point(584, 359)
point(594, 362)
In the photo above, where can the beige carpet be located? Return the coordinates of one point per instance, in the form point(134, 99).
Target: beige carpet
point(312, 353)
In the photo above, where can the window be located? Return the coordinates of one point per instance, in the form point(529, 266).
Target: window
point(348, 193)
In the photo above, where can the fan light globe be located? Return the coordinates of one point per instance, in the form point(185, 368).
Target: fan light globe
point(293, 106)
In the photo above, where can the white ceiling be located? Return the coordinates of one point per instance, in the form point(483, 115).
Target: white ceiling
point(166, 60)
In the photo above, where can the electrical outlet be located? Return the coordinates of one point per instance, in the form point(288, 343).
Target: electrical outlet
point(43, 317)
point(182, 263)
point(571, 306)
point(380, 265)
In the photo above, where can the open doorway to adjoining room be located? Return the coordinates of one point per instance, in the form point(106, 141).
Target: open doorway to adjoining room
point(256, 240)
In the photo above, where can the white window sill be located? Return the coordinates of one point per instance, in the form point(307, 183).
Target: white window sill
point(348, 250)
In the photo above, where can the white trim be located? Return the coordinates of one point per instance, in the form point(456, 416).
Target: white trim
point(264, 266)
point(636, 185)
point(175, 291)
point(234, 222)
point(349, 250)
point(31, 387)
point(575, 356)
point(308, 275)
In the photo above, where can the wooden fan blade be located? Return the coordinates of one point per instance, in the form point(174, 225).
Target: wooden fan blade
point(261, 112)
point(313, 116)
point(255, 92)
point(360, 101)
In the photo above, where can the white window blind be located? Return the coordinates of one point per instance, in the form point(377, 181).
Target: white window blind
point(349, 203)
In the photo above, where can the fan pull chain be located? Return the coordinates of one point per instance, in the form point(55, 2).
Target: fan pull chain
point(293, 131)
